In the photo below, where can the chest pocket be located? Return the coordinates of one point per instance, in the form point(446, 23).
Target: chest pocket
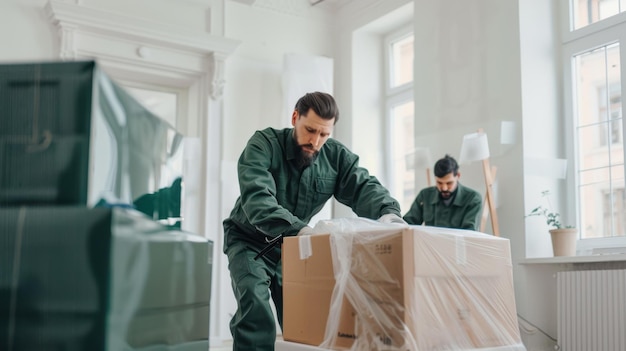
point(325, 186)
point(428, 212)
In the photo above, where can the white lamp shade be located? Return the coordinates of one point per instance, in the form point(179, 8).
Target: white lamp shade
point(475, 147)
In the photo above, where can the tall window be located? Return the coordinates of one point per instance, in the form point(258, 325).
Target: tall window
point(600, 156)
point(400, 114)
point(594, 59)
point(586, 12)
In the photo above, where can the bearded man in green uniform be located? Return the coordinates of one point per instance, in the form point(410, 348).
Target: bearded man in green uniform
point(285, 178)
point(447, 204)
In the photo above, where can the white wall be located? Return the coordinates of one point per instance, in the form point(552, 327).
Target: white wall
point(254, 97)
point(542, 115)
point(35, 40)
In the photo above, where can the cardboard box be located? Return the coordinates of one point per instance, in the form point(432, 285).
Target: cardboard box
point(282, 345)
point(399, 288)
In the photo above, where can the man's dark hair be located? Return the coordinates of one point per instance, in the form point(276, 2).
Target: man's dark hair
point(322, 103)
point(446, 165)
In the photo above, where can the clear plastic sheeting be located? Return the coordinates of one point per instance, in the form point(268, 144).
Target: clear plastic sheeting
point(161, 286)
point(417, 288)
point(101, 279)
point(70, 135)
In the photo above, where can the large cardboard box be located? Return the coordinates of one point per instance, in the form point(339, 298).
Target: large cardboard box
point(385, 287)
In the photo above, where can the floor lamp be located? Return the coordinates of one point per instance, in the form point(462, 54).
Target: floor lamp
point(475, 147)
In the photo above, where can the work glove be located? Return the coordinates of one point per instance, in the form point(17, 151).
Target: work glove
point(306, 230)
point(391, 218)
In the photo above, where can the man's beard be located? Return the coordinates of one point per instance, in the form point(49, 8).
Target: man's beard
point(445, 194)
point(303, 159)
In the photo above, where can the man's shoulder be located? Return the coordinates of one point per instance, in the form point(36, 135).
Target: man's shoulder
point(335, 144)
point(470, 194)
point(270, 134)
point(429, 192)
point(334, 148)
point(271, 131)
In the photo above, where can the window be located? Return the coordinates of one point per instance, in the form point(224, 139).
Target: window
point(402, 124)
point(614, 210)
point(593, 60)
point(402, 61)
point(586, 12)
point(610, 107)
point(400, 115)
point(600, 157)
point(162, 103)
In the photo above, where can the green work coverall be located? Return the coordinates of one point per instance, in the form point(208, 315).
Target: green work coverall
point(429, 209)
point(276, 199)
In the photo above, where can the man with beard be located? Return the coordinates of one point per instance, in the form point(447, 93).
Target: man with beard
point(285, 178)
point(447, 204)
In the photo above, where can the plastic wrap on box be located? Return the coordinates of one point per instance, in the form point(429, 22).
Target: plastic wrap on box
point(282, 345)
point(101, 279)
point(394, 287)
point(70, 135)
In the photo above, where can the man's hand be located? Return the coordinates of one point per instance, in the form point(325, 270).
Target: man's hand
point(306, 230)
point(391, 218)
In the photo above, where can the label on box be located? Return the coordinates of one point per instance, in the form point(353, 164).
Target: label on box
point(306, 250)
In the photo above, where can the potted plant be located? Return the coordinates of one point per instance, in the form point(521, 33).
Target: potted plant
point(563, 236)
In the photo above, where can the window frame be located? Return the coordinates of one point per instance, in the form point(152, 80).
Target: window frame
point(394, 96)
point(392, 102)
point(575, 42)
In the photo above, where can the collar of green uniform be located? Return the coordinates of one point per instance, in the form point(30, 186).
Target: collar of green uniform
point(290, 144)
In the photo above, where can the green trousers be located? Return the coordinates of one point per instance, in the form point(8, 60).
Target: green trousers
point(253, 326)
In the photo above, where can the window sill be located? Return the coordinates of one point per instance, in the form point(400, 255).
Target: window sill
point(607, 257)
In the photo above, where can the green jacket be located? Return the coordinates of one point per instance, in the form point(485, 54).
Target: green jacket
point(278, 198)
point(429, 209)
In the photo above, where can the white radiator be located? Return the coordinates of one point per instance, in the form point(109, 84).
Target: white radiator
point(592, 310)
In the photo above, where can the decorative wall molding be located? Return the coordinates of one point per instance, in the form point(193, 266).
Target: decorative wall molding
point(217, 73)
point(157, 55)
point(289, 7)
point(122, 27)
point(246, 2)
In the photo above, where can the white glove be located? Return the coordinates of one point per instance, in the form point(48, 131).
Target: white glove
point(391, 218)
point(306, 230)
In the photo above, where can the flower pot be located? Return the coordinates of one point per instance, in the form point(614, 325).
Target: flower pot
point(564, 241)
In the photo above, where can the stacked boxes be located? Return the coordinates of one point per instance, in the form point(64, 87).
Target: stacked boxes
point(369, 286)
point(122, 275)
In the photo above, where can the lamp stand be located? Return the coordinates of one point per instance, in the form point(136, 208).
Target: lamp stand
point(490, 174)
